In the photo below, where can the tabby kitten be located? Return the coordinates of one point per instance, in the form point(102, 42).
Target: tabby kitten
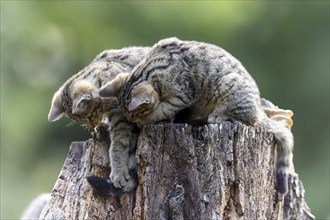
point(205, 82)
point(79, 100)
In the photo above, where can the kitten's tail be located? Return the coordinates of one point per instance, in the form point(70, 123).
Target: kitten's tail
point(106, 188)
point(284, 137)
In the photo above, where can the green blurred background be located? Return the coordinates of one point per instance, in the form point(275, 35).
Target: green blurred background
point(284, 45)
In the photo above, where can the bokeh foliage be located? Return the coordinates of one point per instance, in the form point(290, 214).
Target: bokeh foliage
point(284, 45)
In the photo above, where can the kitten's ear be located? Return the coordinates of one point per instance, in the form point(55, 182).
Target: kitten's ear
point(80, 104)
point(137, 101)
point(111, 89)
point(143, 94)
point(56, 111)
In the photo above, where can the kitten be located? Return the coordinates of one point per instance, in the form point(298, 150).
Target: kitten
point(79, 100)
point(203, 80)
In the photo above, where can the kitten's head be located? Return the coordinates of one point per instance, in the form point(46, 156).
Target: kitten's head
point(136, 101)
point(79, 102)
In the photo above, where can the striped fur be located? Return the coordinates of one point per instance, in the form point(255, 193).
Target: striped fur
point(205, 82)
point(78, 99)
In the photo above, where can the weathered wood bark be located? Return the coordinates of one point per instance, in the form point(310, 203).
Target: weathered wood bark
point(222, 171)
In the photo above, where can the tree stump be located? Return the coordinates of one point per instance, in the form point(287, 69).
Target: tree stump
point(218, 171)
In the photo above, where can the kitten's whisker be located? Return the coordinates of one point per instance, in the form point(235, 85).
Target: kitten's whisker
point(70, 124)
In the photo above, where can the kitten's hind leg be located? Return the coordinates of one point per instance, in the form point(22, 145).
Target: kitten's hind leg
point(217, 116)
point(245, 110)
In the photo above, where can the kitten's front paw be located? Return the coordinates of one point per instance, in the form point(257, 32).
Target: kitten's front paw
point(119, 178)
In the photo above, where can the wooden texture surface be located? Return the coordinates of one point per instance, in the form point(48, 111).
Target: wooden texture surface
point(218, 171)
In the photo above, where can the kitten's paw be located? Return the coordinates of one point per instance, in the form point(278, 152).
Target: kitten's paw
point(119, 178)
